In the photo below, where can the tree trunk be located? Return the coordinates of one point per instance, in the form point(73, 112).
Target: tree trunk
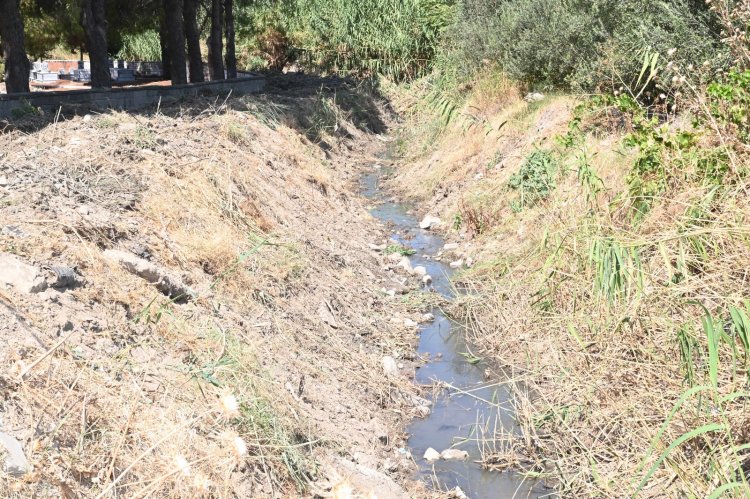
point(166, 64)
point(215, 63)
point(176, 40)
point(190, 18)
point(94, 24)
point(230, 56)
point(17, 65)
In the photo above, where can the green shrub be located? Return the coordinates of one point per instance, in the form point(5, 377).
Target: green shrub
point(535, 180)
point(730, 102)
point(586, 45)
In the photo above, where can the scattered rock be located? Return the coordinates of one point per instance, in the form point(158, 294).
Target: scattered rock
point(86, 118)
point(469, 262)
point(20, 275)
point(378, 248)
point(534, 97)
point(159, 277)
point(16, 463)
point(420, 270)
point(454, 455)
point(427, 280)
point(429, 222)
point(457, 264)
point(410, 323)
point(395, 257)
point(3, 181)
point(450, 247)
point(62, 277)
point(390, 465)
point(13, 231)
point(457, 493)
point(327, 316)
point(431, 455)
point(427, 318)
point(405, 264)
point(390, 367)
point(423, 411)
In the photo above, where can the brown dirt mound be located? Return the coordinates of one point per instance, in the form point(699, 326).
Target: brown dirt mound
point(265, 380)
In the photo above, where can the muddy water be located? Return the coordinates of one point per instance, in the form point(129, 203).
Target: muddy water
point(474, 408)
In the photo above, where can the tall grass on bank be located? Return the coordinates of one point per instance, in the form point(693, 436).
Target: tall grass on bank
point(621, 291)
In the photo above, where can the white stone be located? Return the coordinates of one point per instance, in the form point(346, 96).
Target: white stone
point(457, 264)
point(395, 257)
point(16, 463)
point(3, 181)
point(458, 493)
point(164, 282)
point(454, 455)
point(431, 455)
point(390, 367)
point(534, 97)
point(21, 276)
point(429, 222)
point(406, 265)
point(450, 247)
point(427, 280)
point(420, 270)
point(410, 323)
point(86, 118)
point(427, 318)
point(469, 262)
point(423, 411)
point(376, 247)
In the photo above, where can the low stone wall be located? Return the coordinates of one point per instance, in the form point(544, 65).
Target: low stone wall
point(123, 98)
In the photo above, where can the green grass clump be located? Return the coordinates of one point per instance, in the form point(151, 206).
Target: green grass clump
point(401, 250)
point(535, 180)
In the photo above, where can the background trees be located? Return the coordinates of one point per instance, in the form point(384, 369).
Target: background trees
point(169, 30)
point(14, 47)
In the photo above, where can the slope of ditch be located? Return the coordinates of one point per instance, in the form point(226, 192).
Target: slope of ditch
point(192, 305)
point(605, 317)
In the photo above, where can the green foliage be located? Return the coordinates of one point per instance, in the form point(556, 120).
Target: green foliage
point(141, 46)
point(535, 180)
point(26, 109)
point(618, 269)
point(575, 140)
point(730, 102)
point(397, 39)
point(401, 250)
point(588, 45)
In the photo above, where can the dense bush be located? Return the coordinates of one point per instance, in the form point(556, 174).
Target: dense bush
point(586, 45)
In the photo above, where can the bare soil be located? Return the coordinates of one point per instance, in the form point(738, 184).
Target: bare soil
point(114, 389)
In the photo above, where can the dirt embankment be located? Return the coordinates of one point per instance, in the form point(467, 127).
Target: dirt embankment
point(194, 307)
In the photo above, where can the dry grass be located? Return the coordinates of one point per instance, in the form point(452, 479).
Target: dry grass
point(604, 392)
point(234, 200)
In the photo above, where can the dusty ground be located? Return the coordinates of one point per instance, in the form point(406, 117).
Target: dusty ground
point(253, 367)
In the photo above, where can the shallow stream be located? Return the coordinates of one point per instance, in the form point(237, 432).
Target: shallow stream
point(473, 407)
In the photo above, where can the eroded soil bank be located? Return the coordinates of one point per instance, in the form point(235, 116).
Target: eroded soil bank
point(192, 304)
